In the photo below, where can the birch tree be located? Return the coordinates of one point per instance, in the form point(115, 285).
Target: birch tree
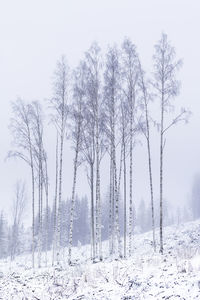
point(124, 128)
point(20, 126)
point(146, 131)
point(46, 187)
point(59, 117)
point(3, 241)
point(18, 207)
point(55, 206)
point(76, 114)
point(40, 165)
point(130, 76)
point(167, 88)
point(88, 153)
point(112, 77)
point(93, 62)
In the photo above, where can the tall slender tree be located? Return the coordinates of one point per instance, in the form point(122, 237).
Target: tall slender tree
point(88, 154)
point(167, 88)
point(93, 62)
point(76, 114)
point(59, 117)
point(130, 76)
point(124, 132)
point(21, 129)
point(146, 131)
point(46, 187)
point(37, 120)
point(55, 207)
point(3, 242)
point(112, 77)
point(19, 202)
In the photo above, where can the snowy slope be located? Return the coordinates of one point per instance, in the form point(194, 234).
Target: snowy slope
point(174, 275)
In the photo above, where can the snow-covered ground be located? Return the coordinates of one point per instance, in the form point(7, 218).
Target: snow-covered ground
point(146, 275)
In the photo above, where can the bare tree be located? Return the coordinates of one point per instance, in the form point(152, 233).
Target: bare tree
point(3, 241)
point(76, 114)
point(20, 127)
point(130, 75)
point(92, 150)
point(40, 158)
point(112, 79)
point(94, 99)
point(59, 105)
point(55, 206)
point(18, 207)
point(46, 187)
point(146, 131)
point(124, 128)
point(88, 153)
point(167, 87)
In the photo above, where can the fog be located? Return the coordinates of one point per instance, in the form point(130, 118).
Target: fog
point(34, 34)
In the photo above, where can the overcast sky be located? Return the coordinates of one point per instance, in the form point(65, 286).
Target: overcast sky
point(34, 34)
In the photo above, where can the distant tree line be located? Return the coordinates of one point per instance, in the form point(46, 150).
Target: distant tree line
point(15, 238)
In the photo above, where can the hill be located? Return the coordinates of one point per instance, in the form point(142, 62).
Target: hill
point(146, 275)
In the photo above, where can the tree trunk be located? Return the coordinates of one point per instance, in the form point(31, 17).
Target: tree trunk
point(117, 229)
point(131, 188)
point(98, 200)
point(92, 210)
point(33, 198)
point(124, 160)
point(151, 189)
point(33, 213)
point(60, 196)
point(73, 202)
point(39, 219)
point(111, 209)
point(40, 246)
point(55, 208)
point(47, 211)
point(161, 177)
point(100, 229)
point(149, 160)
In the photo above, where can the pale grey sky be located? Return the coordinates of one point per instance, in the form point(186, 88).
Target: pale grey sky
point(33, 35)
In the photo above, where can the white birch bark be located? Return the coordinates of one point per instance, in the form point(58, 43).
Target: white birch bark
point(21, 130)
point(147, 136)
point(92, 211)
point(111, 210)
point(46, 183)
point(33, 190)
point(130, 74)
point(124, 140)
point(55, 207)
point(73, 204)
point(161, 174)
point(125, 204)
point(112, 79)
point(131, 185)
point(59, 105)
point(167, 87)
point(60, 193)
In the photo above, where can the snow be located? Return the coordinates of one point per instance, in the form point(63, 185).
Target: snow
point(146, 275)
